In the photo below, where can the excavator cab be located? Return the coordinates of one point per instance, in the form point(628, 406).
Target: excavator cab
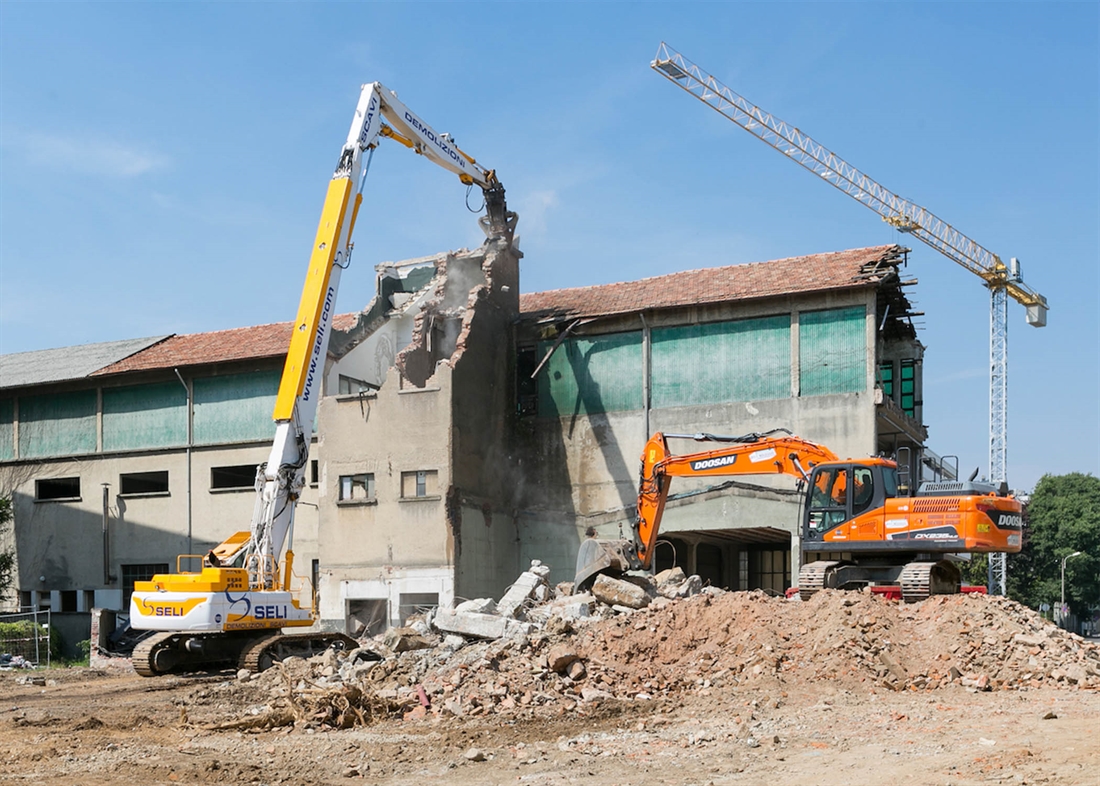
point(837, 493)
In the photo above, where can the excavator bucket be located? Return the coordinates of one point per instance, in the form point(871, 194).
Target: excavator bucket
point(600, 556)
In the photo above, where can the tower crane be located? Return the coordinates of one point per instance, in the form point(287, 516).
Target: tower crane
point(1003, 281)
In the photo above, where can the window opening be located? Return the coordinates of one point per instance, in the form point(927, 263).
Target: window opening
point(863, 489)
point(357, 488)
point(421, 483)
point(886, 375)
point(241, 476)
point(143, 483)
point(828, 499)
point(411, 603)
point(908, 375)
point(56, 488)
point(353, 386)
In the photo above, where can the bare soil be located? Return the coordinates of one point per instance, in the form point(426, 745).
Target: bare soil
point(733, 688)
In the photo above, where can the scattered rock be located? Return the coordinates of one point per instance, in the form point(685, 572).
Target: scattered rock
point(617, 592)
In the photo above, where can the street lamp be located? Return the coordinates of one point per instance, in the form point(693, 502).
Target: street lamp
point(1062, 608)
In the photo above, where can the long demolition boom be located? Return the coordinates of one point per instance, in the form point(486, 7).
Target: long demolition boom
point(279, 481)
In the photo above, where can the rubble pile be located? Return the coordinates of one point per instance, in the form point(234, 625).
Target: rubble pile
point(542, 651)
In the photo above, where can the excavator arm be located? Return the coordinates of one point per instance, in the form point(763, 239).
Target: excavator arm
point(378, 114)
point(771, 453)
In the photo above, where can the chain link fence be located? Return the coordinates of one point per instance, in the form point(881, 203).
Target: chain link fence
point(25, 640)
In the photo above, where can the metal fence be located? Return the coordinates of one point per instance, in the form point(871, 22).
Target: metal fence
point(25, 640)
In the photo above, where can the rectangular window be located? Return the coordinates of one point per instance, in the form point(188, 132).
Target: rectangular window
point(314, 473)
point(56, 488)
point(422, 483)
point(908, 400)
point(242, 476)
point(143, 483)
point(352, 386)
point(367, 616)
point(357, 488)
point(416, 603)
point(886, 376)
point(68, 601)
point(132, 573)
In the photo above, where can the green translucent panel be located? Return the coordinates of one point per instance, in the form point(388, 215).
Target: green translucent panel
point(886, 373)
point(63, 424)
point(235, 408)
point(144, 416)
point(7, 429)
point(743, 360)
point(832, 351)
point(588, 376)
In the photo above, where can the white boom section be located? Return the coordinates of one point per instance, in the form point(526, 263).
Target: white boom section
point(280, 479)
point(906, 216)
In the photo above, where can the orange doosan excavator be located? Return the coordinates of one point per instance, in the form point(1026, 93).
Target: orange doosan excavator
point(851, 507)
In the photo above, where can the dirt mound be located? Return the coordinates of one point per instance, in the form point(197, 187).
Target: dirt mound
point(710, 643)
point(715, 639)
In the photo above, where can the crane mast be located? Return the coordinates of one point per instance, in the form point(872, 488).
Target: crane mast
point(1003, 281)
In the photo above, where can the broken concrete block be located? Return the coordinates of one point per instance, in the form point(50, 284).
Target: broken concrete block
point(692, 585)
point(522, 590)
point(617, 592)
point(577, 671)
point(560, 657)
point(405, 640)
point(479, 626)
point(670, 576)
point(478, 606)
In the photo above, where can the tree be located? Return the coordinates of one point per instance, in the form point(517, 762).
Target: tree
point(1063, 516)
point(7, 556)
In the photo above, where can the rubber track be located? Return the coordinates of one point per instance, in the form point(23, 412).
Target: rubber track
point(250, 658)
point(916, 581)
point(142, 657)
point(811, 577)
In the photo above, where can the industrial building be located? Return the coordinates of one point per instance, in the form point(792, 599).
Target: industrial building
point(465, 430)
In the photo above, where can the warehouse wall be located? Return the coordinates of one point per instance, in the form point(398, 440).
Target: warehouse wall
point(805, 364)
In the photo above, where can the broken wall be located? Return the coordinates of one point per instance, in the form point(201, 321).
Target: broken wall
point(407, 467)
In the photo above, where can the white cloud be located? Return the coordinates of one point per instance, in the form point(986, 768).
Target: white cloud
point(88, 156)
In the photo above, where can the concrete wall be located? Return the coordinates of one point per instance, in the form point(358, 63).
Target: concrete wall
point(59, 544)
point(444, 407)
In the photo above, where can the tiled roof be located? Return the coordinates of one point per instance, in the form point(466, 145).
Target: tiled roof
point(813, 273)
point(21, 369)
point(221, 346)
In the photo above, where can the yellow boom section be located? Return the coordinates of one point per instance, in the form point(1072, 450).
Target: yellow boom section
point(313, 297)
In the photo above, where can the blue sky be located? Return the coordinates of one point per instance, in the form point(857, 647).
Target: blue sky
point(162, 165)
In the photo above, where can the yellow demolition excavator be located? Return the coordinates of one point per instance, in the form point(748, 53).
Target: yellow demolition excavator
point(234, 610)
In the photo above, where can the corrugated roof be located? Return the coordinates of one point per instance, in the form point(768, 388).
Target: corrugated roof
point(813, 273)
point(43, 366)
point(220, 346)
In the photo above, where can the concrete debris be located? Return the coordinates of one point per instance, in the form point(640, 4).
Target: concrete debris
point(618, 592)
point(530, 586)
point(571, 653)
point(478, 626)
